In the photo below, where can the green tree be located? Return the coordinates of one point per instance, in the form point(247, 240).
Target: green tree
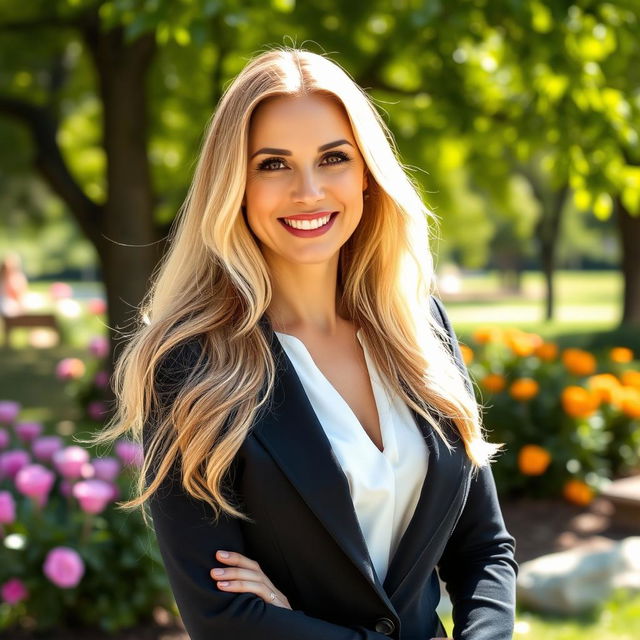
point(115, 94)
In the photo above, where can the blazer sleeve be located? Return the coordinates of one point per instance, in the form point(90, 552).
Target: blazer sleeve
point(188, 541)
point(478, 564)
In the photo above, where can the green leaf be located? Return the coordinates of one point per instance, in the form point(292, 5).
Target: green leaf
point(602, 206)
point(283, 6)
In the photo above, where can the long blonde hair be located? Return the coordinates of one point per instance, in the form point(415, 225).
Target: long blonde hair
point(213, 286)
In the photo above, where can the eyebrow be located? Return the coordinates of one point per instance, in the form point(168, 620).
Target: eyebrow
point(286, 152)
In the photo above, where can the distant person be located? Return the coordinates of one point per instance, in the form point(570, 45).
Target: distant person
point(13, 285)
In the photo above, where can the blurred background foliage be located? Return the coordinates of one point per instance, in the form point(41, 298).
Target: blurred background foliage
point(518, 120)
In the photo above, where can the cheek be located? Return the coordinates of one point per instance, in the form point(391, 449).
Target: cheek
point(262, 198)
point(350, 183)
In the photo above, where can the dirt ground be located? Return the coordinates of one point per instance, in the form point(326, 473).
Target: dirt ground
point(539, 527)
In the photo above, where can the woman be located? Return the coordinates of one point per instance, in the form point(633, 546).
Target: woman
point(300, 394)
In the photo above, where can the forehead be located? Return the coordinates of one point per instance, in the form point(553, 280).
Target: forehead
point(299, 121)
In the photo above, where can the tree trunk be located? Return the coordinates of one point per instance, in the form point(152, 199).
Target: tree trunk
point(548, 232)
point(130, 248)
point(629, 227)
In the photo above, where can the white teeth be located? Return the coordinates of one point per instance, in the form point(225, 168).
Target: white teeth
point(307, 224)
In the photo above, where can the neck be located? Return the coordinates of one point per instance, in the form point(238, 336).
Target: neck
point(304, 297)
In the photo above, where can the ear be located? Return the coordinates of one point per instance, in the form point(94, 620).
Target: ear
point(366, 180)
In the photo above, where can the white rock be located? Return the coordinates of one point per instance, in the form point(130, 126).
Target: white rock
point(576, 580)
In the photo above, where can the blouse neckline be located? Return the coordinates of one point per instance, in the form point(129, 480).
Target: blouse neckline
point(380, 395)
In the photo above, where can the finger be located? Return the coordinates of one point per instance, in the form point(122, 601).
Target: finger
point(237, 559)
point(236, 573)
point(247, 586)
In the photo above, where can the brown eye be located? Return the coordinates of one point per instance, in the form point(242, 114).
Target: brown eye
point(267, 164)
point(339, 157)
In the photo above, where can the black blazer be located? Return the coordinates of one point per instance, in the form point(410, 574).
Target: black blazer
point(307, 539)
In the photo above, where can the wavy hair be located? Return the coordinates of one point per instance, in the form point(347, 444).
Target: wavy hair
point(213, 286)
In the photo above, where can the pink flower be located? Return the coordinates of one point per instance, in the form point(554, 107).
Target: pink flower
point(101, 379)
point(69, 461)
point(97, 306)
point(106, 469)
point(96, 410)
point(13, 591)
point(99, 346)
point(70, 369)
point(87, 471)
point(7, 508)
point(43, 448)
point(60, 290)
point(35, 481)
point(115, 492)
point(12, 461)
point(64, 567)
point(129, 452)
point(9, 411)
point(5, 438)
point(93, 495)
point(27, 431)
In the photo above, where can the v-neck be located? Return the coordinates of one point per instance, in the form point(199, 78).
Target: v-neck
point(381, 398)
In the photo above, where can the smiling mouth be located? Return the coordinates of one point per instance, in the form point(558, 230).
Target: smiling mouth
point(309, 225)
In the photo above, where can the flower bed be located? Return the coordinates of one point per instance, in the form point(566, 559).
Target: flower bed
point(569, 418)
point(68, 556)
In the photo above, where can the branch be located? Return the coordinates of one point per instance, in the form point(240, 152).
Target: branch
point(50, 22)
point(52, 165)
point(53, 21)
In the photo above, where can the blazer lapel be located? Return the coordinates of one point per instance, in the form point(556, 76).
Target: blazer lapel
point(290, 430)
point(442, 491)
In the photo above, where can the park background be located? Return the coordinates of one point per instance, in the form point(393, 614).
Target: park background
point(518, 119)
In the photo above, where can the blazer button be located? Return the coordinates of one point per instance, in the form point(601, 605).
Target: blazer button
point(386, 626)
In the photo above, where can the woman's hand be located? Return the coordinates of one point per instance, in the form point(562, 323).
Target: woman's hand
point(245, 575)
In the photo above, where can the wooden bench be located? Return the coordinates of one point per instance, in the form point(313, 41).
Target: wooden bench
point(29, 320)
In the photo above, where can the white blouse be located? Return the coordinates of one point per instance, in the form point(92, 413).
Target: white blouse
point(384, 485)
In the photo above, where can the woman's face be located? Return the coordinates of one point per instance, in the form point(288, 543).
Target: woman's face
point(304, 163)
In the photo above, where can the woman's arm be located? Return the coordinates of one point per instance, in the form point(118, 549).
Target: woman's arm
point(478, 564)
point(478, 567)
point(188, 542)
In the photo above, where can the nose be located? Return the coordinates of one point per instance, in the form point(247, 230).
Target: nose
point(308, 187)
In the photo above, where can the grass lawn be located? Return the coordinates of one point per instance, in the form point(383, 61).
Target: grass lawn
point(617, 620)
point(585, 302)
point(588, 308)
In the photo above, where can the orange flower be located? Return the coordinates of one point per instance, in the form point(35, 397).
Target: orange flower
point(621, 354)
point(631, 379)
point(533, 460)
point(467, 353)
point(578, 402)
point(523, 344)
point(483, 335)
point(547, 351)
point(579, 362)
point(493, 382)
point(524, 389)
point(578, 492)
point(630, 402)
point(606, 386)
